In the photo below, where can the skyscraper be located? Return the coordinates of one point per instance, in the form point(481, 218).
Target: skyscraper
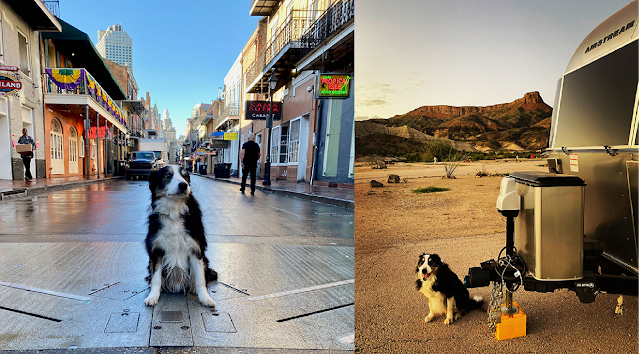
point(116, 45)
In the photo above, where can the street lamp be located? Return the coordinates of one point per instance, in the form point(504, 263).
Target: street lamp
point(272, 83)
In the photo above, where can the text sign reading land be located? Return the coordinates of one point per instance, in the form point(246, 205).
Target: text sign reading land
point(334, 86)
point(8, 85)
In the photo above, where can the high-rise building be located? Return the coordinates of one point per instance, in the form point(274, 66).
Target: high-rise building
point(116, 45)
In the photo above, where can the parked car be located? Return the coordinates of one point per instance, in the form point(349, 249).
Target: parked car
point(142, 163)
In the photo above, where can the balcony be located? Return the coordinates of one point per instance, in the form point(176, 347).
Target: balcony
point(331, 21)
point(263, 7)
point(230, 112)
point(301, 33)
point(75, 88)
point(281, 51)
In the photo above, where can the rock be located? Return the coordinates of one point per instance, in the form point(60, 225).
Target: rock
point(374, 184)
point(393, 178)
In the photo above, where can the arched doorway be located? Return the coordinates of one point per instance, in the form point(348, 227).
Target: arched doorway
point(73, 150)
point(57, 153)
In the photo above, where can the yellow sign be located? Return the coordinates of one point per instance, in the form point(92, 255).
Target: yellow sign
point(231, 136)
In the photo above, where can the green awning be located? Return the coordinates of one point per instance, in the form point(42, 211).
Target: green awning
point(77, 46)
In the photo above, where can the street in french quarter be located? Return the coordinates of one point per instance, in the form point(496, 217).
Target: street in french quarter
point(73, 265)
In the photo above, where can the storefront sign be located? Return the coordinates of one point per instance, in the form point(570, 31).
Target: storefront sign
point(333, 85)
point(231, 136)
point(8, 68)
point(219, 144)
point(8, 85)
point(259, 110)
point(103, 132)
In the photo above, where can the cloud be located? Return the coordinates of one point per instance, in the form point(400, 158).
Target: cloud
point(371, 102)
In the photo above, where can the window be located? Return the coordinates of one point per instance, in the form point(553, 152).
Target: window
point(283, 145)
point(275, 144)
point(597, 101)
point(294, 142)
point(23, 47)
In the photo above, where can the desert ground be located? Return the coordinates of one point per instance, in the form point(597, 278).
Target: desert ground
point(393, 226)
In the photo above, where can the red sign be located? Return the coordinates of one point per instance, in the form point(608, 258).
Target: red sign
point(103, 132)
point(10, 85)
point(8, 68)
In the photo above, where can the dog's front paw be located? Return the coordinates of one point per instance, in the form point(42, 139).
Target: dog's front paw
point(448, 320)
point(207, 301)
point(151, 300)
point(429, 318)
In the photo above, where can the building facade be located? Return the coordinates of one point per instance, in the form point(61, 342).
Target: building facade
point(21, 21)
point(116, 45)
point(85, 124)
point(298, 44)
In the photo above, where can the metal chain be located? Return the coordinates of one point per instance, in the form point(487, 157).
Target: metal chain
point(494, 306)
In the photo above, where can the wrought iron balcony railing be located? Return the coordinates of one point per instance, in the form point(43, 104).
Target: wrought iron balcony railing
point(290, 31)
point(78, 81)
point(336, 16)
point(53, 6)
point(304, 30)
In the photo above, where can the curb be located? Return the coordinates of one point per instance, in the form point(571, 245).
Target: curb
point(344, 203)
point(24, 192)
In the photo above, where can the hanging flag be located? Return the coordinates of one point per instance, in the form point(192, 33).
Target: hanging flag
point(66, 78)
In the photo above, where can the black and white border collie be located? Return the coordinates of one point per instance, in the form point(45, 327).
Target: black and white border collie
point(175, 242)
point(446, 294)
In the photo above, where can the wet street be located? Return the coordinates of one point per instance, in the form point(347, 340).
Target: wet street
point(73, 263)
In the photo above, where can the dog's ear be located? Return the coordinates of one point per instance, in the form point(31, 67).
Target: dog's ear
point(154, 180)
point(185, 175)
point(434, 260)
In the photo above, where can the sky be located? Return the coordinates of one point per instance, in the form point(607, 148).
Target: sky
point(414, 53)
point(182, 50)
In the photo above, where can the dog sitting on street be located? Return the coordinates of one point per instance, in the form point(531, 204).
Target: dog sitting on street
point(175, 241)
point(446, 294)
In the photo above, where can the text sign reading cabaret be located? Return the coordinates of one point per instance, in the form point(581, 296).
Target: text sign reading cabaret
point(8, 85)
point(259, 110)
point(333, 85)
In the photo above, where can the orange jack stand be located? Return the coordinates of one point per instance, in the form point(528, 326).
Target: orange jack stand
point(511, 326)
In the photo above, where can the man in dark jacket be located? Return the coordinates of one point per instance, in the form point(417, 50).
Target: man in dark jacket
point(249, 156)
point(26, 157)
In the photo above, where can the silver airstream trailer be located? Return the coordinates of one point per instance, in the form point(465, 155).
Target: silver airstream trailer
point(575, 227)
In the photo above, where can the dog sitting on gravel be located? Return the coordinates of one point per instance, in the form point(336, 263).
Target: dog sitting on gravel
point(446, 294)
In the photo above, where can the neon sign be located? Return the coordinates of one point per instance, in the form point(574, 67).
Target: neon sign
point(334, 85)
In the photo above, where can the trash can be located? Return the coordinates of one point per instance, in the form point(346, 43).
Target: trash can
point(202, 170)
point(549, 230)
point(224, 170)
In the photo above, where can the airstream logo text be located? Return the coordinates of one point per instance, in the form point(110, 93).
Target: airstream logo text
point(611, 36)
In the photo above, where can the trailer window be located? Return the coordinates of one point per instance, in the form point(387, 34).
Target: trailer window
point(597, 101)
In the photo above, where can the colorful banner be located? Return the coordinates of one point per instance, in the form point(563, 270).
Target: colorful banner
point(66, 78)
point(101, 96)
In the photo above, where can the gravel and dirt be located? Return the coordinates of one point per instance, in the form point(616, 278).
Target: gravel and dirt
point(393, 226)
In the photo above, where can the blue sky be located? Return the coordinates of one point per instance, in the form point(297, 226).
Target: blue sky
point(465, 53)
point(181, 49)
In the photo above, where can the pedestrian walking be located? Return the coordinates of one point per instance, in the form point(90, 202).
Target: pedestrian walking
point(249, 156)
point(26, 157)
